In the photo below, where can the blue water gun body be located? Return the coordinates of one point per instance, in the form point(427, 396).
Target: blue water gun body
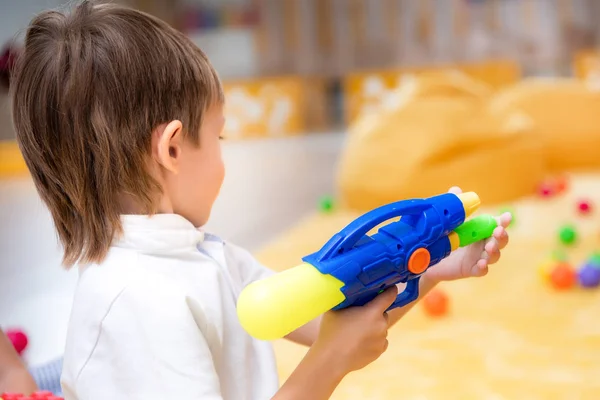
point(398, 253)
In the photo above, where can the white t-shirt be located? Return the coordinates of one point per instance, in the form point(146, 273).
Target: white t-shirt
point(157, 320)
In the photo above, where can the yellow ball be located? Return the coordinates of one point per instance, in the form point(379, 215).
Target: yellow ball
point(545, 269)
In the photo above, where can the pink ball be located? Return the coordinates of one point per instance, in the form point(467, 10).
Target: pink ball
point(18, 339)
point(546, 190)
point(584, 207)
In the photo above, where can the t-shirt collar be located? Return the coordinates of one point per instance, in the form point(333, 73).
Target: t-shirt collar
point(158, 234)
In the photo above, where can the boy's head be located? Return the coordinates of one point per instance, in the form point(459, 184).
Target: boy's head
point(116, 112)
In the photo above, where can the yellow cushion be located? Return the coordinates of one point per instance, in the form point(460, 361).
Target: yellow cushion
point(566, 115)
point(438, 133)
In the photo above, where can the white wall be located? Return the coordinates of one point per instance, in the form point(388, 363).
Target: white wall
point(16, 14)
point(270, 184)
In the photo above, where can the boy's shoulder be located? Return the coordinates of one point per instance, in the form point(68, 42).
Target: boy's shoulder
point(129, 273)
point(126, 279)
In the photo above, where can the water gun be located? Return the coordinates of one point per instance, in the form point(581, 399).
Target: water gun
point(353, 267)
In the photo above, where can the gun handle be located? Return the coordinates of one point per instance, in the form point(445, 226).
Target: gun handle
point(408, 295)
point(273, 307)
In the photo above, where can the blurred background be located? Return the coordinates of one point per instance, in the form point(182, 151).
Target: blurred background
point(298, 74)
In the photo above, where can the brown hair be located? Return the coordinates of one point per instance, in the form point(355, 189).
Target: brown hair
point(88, 90)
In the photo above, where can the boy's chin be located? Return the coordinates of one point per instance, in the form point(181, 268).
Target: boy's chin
point(200, 219)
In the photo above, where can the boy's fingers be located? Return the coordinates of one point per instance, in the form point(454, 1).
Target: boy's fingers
point(455, 190)
point(491, 246)
point(493, 257)
point(481, 264)
point(504, 220)
point(501, 236)
point(384, 300)
point(480, 269)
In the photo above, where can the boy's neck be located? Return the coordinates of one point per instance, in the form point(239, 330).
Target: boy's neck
point(129, 206)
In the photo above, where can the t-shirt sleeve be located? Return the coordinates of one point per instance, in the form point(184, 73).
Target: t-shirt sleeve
point(162, 354)
point(244, 265)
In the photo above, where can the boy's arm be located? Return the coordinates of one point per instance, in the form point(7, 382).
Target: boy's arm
point(306, 334)
point(315, 378)
point(14, 377)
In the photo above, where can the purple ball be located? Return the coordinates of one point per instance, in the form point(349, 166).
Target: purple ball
point(589, 276)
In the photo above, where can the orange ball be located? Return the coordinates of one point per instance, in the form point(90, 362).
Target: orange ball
point(562, 184)
point(563, 277)
point(436, 303)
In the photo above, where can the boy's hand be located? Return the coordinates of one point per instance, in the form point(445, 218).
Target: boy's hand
point(473, 260)
point(348, 340)
point(356, 336)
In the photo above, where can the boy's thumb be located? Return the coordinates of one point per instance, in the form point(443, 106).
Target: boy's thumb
point(385, 299)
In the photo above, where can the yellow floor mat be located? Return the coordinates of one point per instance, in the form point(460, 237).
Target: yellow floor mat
point(508, 335)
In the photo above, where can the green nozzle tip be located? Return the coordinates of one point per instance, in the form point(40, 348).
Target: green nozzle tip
point(476, 229)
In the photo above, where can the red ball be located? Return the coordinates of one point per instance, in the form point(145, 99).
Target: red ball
point(546, 190)
point(584, 207)
point(563, 277)
point(41, 395)
point(436, 303)
point(11, 396)
point(18, 339)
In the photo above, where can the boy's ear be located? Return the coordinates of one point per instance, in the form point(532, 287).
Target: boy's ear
point(168, 145)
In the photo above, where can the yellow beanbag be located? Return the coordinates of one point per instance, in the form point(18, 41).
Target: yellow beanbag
point(566, 115)
point(439, 132)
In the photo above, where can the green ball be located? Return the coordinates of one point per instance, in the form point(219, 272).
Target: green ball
point(567, 235)
point(595, 260)
point(326, 203)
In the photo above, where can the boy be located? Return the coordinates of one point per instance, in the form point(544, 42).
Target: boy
point(119, 118)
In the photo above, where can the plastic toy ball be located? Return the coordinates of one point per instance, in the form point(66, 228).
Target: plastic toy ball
point(546, 190)
point(436, 303)
point(41, 395)
point(563, 277)
point(567, 235)
point(326, 204)
point(584, 207)
point(545, 269)
point(589, 276)
point(18, 339)
point(561, 184)
point(594, 260)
